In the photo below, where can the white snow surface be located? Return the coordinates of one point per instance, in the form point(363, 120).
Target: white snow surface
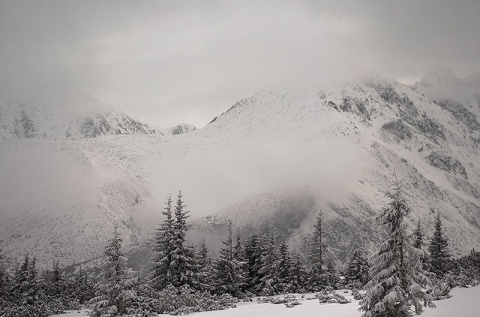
point(464, 303)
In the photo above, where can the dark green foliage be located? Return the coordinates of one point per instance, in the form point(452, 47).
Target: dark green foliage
point(439, 254)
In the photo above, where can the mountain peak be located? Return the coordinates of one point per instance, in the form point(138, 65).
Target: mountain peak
point(440, 76)
point(69, 116)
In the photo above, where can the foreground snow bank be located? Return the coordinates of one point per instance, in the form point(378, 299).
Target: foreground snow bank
point(464, 303)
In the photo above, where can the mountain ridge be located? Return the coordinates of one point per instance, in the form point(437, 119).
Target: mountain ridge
point(334, 146)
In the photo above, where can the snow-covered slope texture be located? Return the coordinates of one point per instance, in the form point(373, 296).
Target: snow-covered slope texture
point(366, 130)
point(278, 156)
point(459, 96)
point(73, 117)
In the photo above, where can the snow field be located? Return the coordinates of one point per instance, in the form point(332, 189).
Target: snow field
point(464, 303)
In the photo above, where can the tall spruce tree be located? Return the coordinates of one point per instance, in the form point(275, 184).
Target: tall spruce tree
point(299, 275)
point(284, 269)
point(438, 249)
point(398, 280)
point(268, 272)
point(229, 273)
point(205, 269)
point(239, 256)
point(253, 254)
point(357, 271)
point(183, 262)
point(317, 278)
point(115, 290)
point(162, 274)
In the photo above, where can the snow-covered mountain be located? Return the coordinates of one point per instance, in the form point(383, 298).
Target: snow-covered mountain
point(180, 128)
point(275, 157)
point(75, 116)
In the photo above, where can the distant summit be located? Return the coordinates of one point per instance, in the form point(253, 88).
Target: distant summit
point(443, 83)
point(71, 117)
point(440, 76)
point(181, 128)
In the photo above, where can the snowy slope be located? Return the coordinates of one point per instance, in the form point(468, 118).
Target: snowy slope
point(278, 156)
point(75, 116)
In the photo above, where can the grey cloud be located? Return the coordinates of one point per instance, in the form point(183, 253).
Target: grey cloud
point(170, 61)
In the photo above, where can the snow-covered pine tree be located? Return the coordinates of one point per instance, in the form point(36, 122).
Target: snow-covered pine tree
point(82, 287)
point(183, 262)
point(316, 279)
point(439, 255)
point(268, 271)
point(25, 282)
point(162, 274)
point(55, 281)
point(239, 256)
point(253, 253)
point(284, 269)
point(115, 290)
point(228, 271)
point(398, 280)
point(205, 269)
point(357, 270)
point(299, 275)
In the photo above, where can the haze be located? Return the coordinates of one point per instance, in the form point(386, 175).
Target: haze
point(167, 62)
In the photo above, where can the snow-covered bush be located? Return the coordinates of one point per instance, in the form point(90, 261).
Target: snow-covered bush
point(357, 295)
point(331, 297)
point(440, 290)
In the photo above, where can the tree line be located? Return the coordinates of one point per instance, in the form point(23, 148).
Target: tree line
point(184, 278)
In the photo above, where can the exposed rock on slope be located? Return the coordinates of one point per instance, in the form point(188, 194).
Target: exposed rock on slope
point(277, 156)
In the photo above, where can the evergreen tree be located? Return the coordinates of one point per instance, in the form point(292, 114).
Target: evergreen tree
point(239, 256)
point(268, 272)
point(183, 263)
point(330, 275)
point(299, 275)
point(398, 280)
point(205, 270)
point(438, 248)
point(418, 236)
point(25, 282)
point(284, 269)
point(253, 254)
point(317, 278)
point(229, 273)
point(116, 287)
point(162, 274)
point(82, 287)
point(357, 271)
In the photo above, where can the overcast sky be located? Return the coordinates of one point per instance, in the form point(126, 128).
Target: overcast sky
point(187, 61)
